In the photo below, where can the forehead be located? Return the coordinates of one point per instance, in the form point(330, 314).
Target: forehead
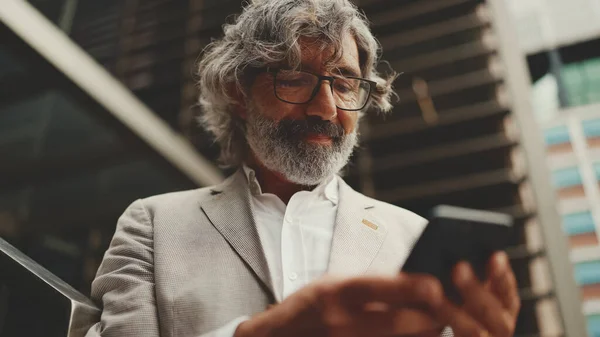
point(319, 57)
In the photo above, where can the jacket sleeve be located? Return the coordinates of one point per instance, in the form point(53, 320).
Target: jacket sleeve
point(124, 284)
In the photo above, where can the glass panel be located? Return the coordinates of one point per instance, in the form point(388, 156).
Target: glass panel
point(71, 130)
point(591, 128)
point(10, 65)
point(578, 223)
point(566, 177)
point(592, 71)
point(23, 114)
point(575, 84)
point(593, 323)
point(52, 9)
point(587, 272)
point(557, 135)
point(582, 82)
point(68, 168)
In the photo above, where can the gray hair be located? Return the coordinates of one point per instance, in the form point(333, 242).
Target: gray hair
point(266, 33)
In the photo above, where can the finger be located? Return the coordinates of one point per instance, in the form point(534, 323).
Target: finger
point(503, 283)
point(367, 323)
point(415, 322)
point(425, 333)
point(404, 291)
point(372, 323)
point(481, 304)
point(460, 321)
point(389, 323)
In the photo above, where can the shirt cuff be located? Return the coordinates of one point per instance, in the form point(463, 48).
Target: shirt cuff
point(228, 330)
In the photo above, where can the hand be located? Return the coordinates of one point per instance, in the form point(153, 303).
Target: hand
point(358, 307)
point(490, 308)
point(407, 305)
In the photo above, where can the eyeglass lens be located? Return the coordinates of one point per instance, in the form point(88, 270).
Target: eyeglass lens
point(298, 87)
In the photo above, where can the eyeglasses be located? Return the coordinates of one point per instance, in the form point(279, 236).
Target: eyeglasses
point(300, 87)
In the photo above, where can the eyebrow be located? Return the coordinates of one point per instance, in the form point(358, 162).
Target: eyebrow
point(342, 70)
point(346, 71)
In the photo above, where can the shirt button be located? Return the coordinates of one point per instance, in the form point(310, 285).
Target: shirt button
point(288, 219)
point(293, 276)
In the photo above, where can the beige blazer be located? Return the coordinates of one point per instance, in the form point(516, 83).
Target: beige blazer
point(186, 263)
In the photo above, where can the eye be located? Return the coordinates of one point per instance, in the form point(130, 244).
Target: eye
point(294, 79)
point(291, 83)
point(343, 86)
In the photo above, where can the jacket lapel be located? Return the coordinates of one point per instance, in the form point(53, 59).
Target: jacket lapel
point(357, 236)
point(230, 212)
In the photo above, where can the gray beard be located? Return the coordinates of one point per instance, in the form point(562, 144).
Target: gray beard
point(296, 160)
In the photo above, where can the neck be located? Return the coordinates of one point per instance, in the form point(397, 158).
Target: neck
point(273, 182)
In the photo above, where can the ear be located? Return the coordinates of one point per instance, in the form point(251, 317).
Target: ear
point(239, 105)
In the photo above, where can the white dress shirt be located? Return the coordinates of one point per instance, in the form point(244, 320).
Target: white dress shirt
point(296, 238)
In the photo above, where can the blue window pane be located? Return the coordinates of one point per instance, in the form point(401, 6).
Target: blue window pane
point(575, 81)
point(593, 323)
point(582, 82)
point(566, 177)
point(556, 135)
point(578, 223)
point(573, 76)
point(592, 68)
point(587, 272)
point(591, 128)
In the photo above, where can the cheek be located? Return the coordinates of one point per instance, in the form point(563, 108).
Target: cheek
point(348, 119)
point(277, 110)
point(269, 105)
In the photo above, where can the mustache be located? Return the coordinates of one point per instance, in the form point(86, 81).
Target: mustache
point(310, 125)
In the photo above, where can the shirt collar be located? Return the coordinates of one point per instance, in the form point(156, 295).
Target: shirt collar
point(327, 189)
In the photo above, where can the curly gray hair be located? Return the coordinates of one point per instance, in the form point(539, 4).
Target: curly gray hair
point(268, 32)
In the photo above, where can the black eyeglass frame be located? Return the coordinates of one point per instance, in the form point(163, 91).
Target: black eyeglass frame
point(321, 78)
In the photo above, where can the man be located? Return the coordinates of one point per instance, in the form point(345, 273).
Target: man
point(285, 247)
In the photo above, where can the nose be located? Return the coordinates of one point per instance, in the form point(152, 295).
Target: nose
point(323, 104)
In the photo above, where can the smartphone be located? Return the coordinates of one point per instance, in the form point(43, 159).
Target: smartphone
point(456, 234)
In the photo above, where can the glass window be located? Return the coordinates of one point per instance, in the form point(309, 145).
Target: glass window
point(575, 82)
point(591, 128)
point(597, 170)
point(587, 272)
point(582, 82)
point(578, 223)
point(566, 177)
point(556, 135)
point(592, 70)
point(68, 167)
point(593, 323)
point(10, 65)
point(51, 9)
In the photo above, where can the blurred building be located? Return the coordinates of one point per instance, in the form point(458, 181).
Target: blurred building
point(562, 42)
point(462, 133)
point(74, 155)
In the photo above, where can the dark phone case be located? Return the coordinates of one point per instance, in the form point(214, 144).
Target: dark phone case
point(455, 234)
